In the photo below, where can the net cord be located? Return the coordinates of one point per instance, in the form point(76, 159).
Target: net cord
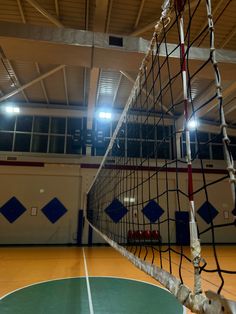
point(228, 156)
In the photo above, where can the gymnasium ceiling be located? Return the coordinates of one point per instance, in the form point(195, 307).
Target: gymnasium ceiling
point(46, 72)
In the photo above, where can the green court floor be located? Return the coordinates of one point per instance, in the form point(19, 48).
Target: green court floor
point(109, 296)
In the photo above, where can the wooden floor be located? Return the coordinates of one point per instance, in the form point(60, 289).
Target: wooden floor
point(22, 266)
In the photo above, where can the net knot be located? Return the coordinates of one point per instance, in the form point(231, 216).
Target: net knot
point(223, 125)
point(231, 169)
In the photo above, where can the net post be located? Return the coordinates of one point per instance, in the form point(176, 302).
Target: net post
point(194, 240)
point(223, 125)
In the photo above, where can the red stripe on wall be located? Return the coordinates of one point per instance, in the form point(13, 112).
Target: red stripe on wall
point(145, 168)
point(21, 163)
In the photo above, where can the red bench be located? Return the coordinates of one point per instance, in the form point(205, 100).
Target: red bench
point(145, 236)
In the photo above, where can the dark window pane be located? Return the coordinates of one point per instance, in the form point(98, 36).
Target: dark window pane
point(104, 127)
point(39, 143)
point(100, 151)
point(133, 130)
point(58, 125)
point(203, 151)
point(22, 142)
point(217, 152)
point(6, 141)
point(216, 138)
point(114, 124)
point(74, 124)
point(100, 140)
point(232, 139)
point(148, 150)
point(56, 144)
point(202, 137)
point(163, 150)
point(7, 123)
point(24, 123)
point(233, 151)
point(148, 131)
point(133, 149)
point(162, 132)
point(118, 148)
point(72, 146)
point(41, 124)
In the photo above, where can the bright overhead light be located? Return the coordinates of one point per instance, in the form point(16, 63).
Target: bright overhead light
point(104, 115)
point(11, 109)
point(192, 124)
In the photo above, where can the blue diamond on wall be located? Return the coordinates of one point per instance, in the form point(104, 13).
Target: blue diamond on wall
point(12, 209)
point(152, 211)
point(116, 210)
point(207, 212)
point(54, 210)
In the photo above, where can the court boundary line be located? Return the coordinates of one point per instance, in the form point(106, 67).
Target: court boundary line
point(88, 284)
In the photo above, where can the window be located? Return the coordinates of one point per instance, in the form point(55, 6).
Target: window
point(217, 152)
point(163, 150)
point(104, 127)
point(56, 145)
point(24, 123)
point(133, 148)
point(39, 143)
point(6, 140)
point(7, 123)
point(133, 130)
point(58, 125)
point(41, 124)
point(203, 151)
point(22, 142)
point(72, 147)
point(118, 148)
point(148, 150)
point(148, 131)
point(74, 124)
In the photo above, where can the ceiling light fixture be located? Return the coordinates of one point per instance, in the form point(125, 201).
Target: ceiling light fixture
point(11, 109)
point(104, 115)
point(192, 124)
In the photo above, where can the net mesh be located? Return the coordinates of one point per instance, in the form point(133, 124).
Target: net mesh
point(154, 180)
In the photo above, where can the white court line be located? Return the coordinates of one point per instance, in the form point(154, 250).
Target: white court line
point(88, 285)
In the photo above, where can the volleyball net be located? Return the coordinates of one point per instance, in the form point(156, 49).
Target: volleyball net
point(155, 198)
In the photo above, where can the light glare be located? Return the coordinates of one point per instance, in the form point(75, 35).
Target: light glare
point(10, 109)
point(192, 124)
point(104, 115)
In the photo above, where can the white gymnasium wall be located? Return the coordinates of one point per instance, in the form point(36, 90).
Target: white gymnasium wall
point(35, 187)
point(69, 184)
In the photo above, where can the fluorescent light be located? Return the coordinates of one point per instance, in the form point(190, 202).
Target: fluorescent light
point(11, 109)
point(104, 115)
point(129, 200)
point(192, 124)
